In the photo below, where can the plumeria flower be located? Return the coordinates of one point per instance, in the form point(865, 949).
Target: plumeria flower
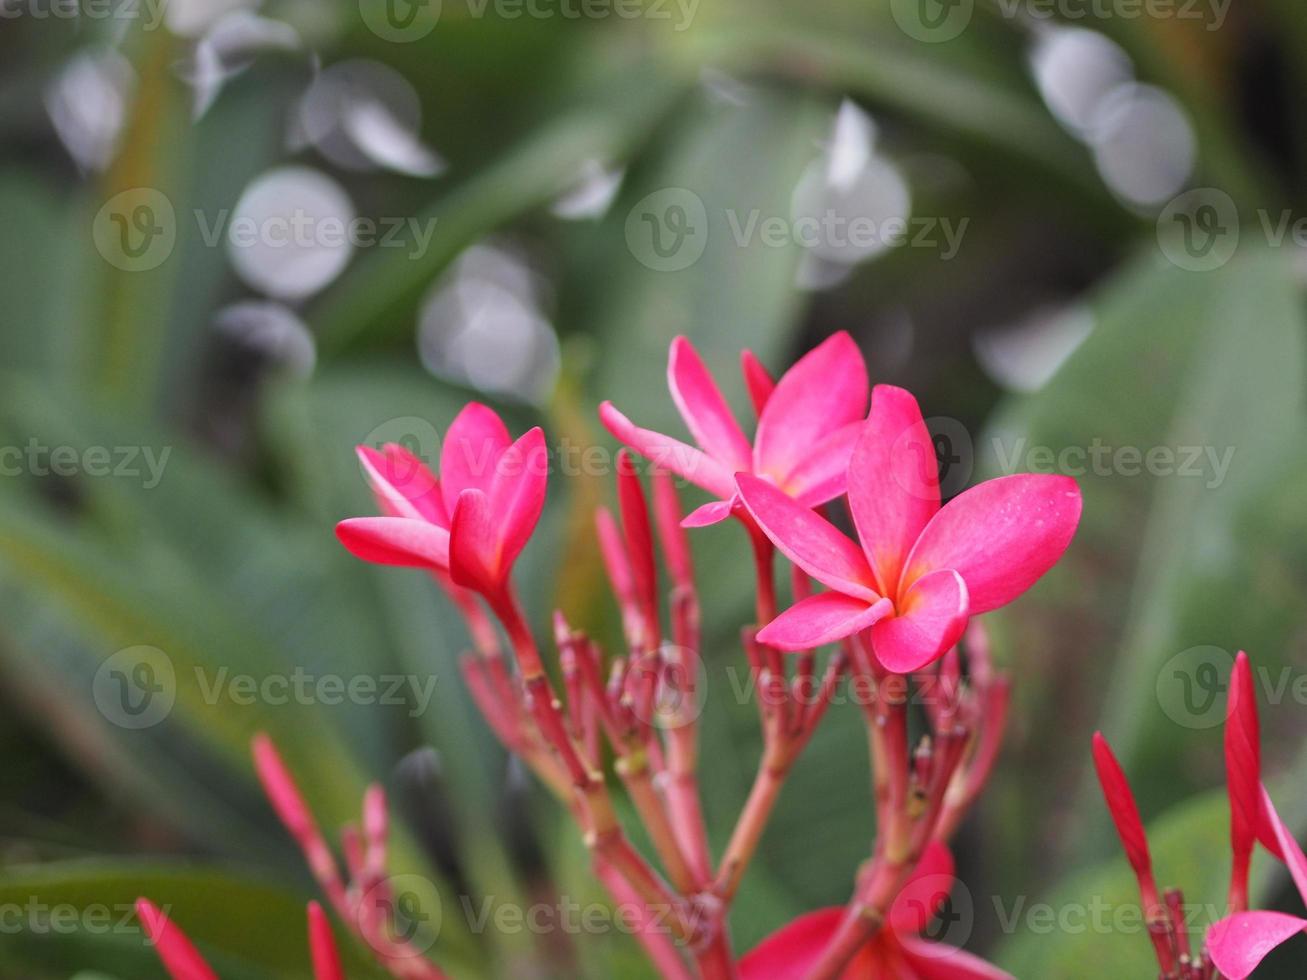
point(807, 424)
point(922, 570)
point(473, 521)
point(183, 961)
point(1236, 944)
point(1240, 941)
point(897, 950)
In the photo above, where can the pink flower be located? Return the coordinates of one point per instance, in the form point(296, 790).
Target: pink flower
point(897, 950)
point(473, 522)
point(922, 570)
point(183, 962)
point(806, 426)
point(1238, 943)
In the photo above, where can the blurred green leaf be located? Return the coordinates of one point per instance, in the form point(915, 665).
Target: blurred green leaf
point(1169, 366)
point(80, 915)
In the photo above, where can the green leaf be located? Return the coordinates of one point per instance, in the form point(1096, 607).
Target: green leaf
point(80, 915)
point(378, 297)
point(1179, 557)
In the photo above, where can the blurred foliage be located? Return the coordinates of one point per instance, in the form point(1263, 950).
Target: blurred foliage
point(228, 563)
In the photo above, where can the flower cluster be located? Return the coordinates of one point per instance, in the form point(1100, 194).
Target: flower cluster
point(1235, 945)
point(897, 604)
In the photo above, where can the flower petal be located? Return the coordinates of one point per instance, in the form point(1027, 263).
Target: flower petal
point(825, 389)
point(893, 483)
point(824, 475)
point(475, 441)
point(822, 619)
point(1291, 852)
point(1000, 536)
point(684, 460)
point(929, 621)
point(792, 951)
point(705, 411)
point(1241, 941)
point(473, 544)
point(403, 484)
point(925, 891)
point(757, 379)
point(403, 541)
point(179, 957)
point(807, 539)
point(937, 961)
point(710, 513)
point(517, 495)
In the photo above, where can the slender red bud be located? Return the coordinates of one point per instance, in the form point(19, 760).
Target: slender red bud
point(180, 958)
point(1125, 814)
point(1243, 776)
point(672, 537)
point(294, 813)
point(322, 946)
point(639, 545)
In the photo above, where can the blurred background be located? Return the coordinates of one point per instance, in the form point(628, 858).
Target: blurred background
point(240, 238)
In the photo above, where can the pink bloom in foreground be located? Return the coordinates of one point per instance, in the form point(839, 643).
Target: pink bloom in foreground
point(806, 426)
point(1238, 943)
point(921, 570)
point(897, 950)
point(473, 521)
point(183, 962)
